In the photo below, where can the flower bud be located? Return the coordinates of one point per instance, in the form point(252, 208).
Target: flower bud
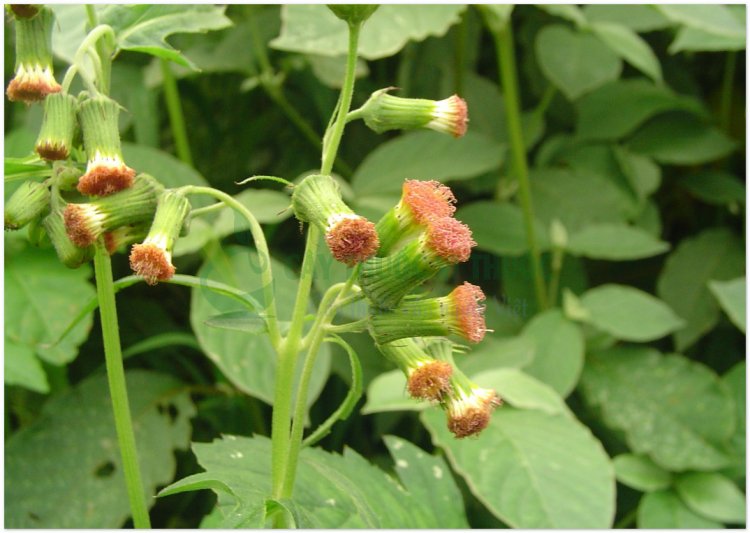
point(58, 127)
point(427, 378)
point(69, 254)
point(420, 201)
point(353, 13)
point(34, 78)
point(123, 236)
point(88, 221)
point(106, 173)
point(28, 202)
point(386, 280)
point(66, 175)
point(459, 313)
point(153, 258)
point(24, 11)
point(350, 237)
point(383, 112)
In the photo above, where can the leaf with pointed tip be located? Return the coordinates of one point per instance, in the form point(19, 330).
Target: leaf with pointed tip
point(731, 296)
point(664, 510)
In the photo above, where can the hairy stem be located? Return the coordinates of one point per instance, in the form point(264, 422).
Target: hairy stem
point(509, 82)
point(117, 387)
point(176, 116)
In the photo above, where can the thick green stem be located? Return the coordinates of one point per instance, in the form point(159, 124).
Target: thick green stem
point(286, 365)
point(509, 82)
point(331, 147)
point(117, 387)
point(176, 117)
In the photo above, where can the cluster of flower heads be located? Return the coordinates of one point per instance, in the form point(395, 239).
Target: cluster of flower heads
point(123, 208)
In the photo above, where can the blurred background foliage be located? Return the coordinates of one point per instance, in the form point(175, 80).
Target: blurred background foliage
point(625, 393)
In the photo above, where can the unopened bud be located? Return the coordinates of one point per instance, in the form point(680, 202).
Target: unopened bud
point(28, 202)
point(58, 127)
point(66, 175)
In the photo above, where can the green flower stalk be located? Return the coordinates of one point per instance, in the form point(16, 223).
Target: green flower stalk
point(70, 255)
point(420, 201)
point(386, 280)
point(459, 313)
point(55, 139)
point(27, 203)
point(118, 238)
point(383, 112)
point(351, 238)
point(34, 78)
point(86, 222)
point(106, 173)
point(427, 378)
point(152, 259)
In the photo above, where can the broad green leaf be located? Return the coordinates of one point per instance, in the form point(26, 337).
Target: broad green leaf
point(615, 242)
point(522, 390)
point(22, 367)
point(494, 352)
point(715, 187)
point(694, 40)
point(330, 70)
point(629, 46)
point(532, 469)
point(40, 297)
point(665, 510)
point(71, 452)
point(387, 392)
point(313, 29)
point(715, 254)
point(248, 361)
point(429, 480)
point(643, 175)
point(616, 109)
point(715, 18)
point(569, 12)
point(576, 198)
point(637, 17)
point(330, 491)
point(247, 322)
point(681, 139)
point(169, 170)
point(576, 63)
point(144, 28)
point(731, 297)
point(506, 235)
point(736, 381)
point(652, 398)
point(558, 357)
point(629, 314)
point(441, 157)
point(713, 496)
point(641, 473)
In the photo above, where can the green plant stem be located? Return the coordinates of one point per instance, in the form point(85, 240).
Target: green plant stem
point(176, 116)
point(117, 387)
point(331, 147)
point(351, 327)
point(727, 89)
point(509, 81)
point(103, 50)
point(286, 365)
point(558, 256)
point(263, 255)
point(93, 39)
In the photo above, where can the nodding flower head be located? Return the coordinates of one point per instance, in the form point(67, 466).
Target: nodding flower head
point(386, 280)
point(27, 203)
point(106, 172)
point(350, 237)
point(58, 127)
point(383, 112)
point(420, 202)
point(427, 378)
point(69, 254)
point(152, 259)
point(86, 222)
point(469, 413)
point(34, 78)
point(459, 313)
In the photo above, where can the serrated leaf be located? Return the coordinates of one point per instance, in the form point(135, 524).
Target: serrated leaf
point(532, 469)
point(629, 46)
point(506, 235)
point(314, 29)
point(712, 495)
point(615, 242)
point(652, 399)
point(715, 254)
point(629, 314)
point(71, 451)
point(248, 361)
point(558, 354)
point(641, 473)
point(575, 62)
point(144, 28)
point(664, 510)
point(616, 109)
point(731, 295)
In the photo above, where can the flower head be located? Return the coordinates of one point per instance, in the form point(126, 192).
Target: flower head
point(58, 127)
point(27, 203)
point(466, 313)
point(450, 116)
point(69, 254)
point(427, 378)
point(469, 411)
point(351, 239)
